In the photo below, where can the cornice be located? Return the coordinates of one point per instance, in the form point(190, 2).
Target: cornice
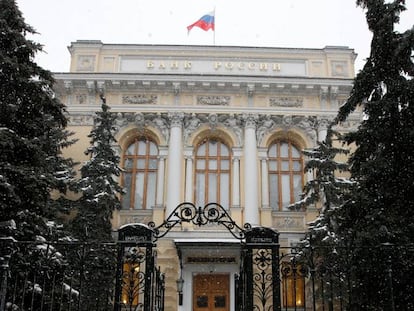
point(67, 82)
point(87, 108)
point(210, 49)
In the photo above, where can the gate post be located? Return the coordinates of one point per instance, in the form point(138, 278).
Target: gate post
point(135, 264)
point(261, 266)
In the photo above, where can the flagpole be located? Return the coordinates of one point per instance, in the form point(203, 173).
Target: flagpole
point(214, 30)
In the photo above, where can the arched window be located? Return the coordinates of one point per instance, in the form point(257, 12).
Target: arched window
point(285, 174)
point(212, 173)
point(140, 174)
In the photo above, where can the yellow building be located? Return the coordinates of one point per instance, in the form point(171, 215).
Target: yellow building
point(208, 124)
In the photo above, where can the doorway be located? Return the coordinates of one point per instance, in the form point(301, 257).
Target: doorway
point(211, 292)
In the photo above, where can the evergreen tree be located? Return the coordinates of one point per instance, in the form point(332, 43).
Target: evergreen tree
point(100, 190)
point(325, 187)
point(322, 248)
point(100, 197)
point(32, 132)
point(32, 135)
point(378, 221)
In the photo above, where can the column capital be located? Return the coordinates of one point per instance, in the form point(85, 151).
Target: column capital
point(237, 153)
point(324, 122)
point(176, 118)
point(188, 152)
point(250, 120)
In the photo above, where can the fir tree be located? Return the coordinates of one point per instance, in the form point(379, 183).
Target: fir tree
point(378, 220)
point(32, 131)
point(100, 190)
point(322, 247)
point(32, 135)
point(325, 187)
point(100, 198)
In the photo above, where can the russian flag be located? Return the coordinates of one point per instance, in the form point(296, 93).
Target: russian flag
point(206, 22)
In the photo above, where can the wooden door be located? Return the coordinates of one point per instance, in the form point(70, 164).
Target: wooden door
point(211, 292)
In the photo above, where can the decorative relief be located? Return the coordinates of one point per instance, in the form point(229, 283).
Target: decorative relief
point(81, 120)
point(191, 123)
point(339, 68)
point(86, 63)
point(68, 86)
point(286, 101)
point(334, 92)
point(131, 219)
point(348, 125)
point(268, 123)
point(141, 120)
point(120, 121)
point(289, 222)
point(81, 99)
point(140, 99)
point(324, 93)
point(161, 123)
point(265, 125)
point(213, 100)
point(307, 124)
point(235, 125)
point(213, 120)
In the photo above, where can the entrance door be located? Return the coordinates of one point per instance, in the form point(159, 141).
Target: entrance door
point(211, 292)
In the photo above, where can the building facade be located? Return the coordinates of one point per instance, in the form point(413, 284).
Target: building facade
point(208, 124)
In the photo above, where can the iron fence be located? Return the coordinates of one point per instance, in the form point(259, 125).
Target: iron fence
point(51, 276)
point(120, 276)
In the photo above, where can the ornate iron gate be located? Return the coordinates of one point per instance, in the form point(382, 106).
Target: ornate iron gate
point(139, 284)
point(258, 284)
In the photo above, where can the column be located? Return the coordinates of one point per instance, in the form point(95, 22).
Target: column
point(265, 178)
point(174, 172)
point(188, 154)
point(251, 199)
point(159, 202)
point(236, 178)
point(322, 129)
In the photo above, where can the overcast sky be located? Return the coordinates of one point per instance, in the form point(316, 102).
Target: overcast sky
point(271, 23)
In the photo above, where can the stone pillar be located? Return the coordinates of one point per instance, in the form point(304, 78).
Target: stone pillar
point(159, 201)
point(265, 178)
point(91, 92)
point(324, 94)
point(322, 129)
point(266, 212)
point(188, 154)
point(236, 178)
point(174, 173)
point(251, 189)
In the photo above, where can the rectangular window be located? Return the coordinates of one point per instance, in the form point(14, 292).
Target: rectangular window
point(224, 191)
point(274, 191)
point(212, 187)
point(285, 191)
point(200, 190)
point(139, 190)
point(151, 186)
point(126, 198)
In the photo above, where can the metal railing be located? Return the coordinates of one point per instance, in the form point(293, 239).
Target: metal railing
point(66, 277)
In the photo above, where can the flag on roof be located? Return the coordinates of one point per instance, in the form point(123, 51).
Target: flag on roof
point(206, 22)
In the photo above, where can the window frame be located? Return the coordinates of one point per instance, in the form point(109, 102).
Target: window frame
point(219, 170)
point(134, 171)
point(279, 171)
point(293, 285)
